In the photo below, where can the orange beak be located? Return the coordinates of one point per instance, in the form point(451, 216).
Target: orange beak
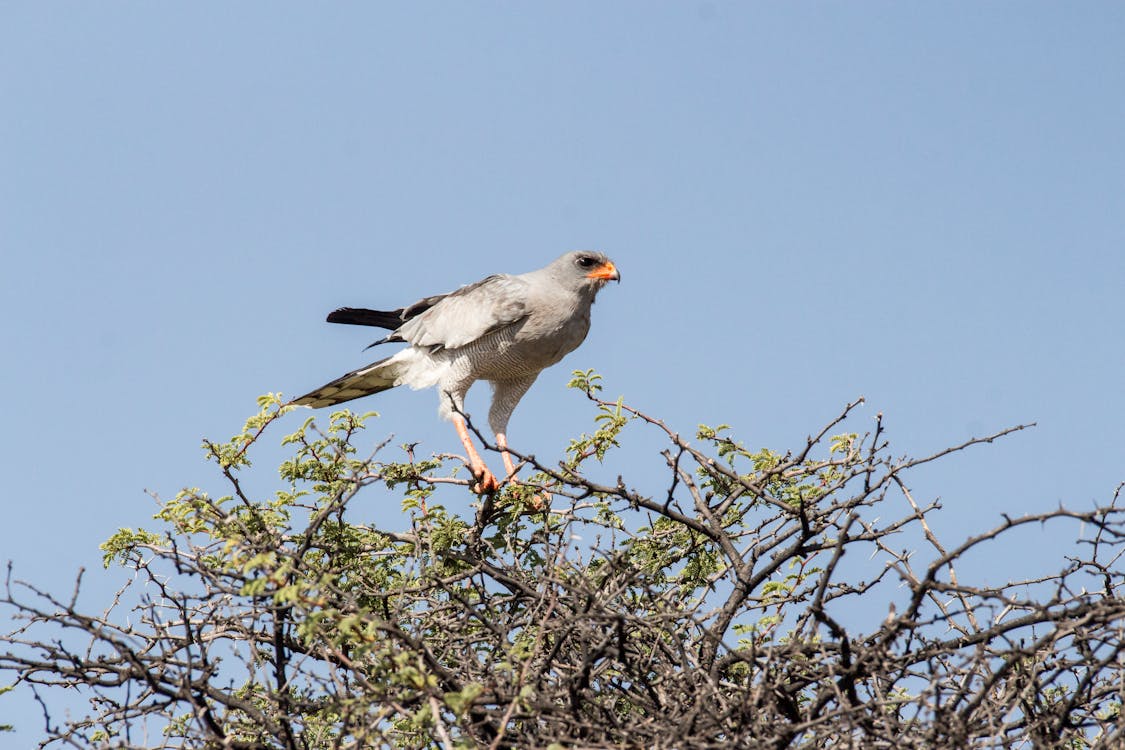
point(606, 272)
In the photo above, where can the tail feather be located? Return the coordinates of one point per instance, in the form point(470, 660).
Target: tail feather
point(375, 378)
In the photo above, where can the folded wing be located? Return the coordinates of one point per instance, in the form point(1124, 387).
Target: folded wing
point(461, 317)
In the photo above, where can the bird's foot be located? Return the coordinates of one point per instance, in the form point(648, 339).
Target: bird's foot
point(539, 502)
point(529, 499)
point(486, 482)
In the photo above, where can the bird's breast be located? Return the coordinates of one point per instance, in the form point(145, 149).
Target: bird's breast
point(524, 349)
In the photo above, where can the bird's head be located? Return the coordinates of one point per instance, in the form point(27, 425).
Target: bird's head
point(587, 268)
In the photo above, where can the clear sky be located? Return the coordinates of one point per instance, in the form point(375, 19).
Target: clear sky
point(923, 204)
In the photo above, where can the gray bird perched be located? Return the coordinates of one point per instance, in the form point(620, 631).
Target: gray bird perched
point(503, 329)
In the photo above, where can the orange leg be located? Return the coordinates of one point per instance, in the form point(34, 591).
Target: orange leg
point(486, 480)
point(541, 501)
point(502, 443)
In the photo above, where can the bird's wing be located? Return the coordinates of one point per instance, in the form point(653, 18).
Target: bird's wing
point(461, 317)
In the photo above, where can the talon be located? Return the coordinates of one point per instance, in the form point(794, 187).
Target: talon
point(486, 480)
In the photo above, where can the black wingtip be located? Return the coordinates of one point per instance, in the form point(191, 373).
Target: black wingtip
point(358, 316)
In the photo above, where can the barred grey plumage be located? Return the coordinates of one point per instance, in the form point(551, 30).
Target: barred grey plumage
point(503, 329)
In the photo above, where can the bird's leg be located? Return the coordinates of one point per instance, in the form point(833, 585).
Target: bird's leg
point(486, 480)
point(536, 503)
point(502, 444)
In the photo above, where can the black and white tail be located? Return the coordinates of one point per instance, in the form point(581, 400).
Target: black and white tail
point(376, 377)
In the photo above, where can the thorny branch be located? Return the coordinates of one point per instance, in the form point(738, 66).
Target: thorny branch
point(731, 607)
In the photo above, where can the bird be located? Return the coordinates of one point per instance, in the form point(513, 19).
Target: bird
point(504, 329)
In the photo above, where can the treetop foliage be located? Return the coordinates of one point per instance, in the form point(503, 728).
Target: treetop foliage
point(721, 609)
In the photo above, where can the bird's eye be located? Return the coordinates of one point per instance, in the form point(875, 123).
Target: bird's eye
point(586, 261)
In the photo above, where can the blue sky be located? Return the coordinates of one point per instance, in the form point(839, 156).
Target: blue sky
point(923, 204)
